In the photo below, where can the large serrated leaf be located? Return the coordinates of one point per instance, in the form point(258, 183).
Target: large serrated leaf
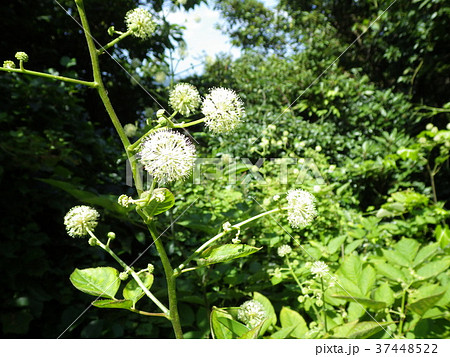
point(434, 268)
point(442, 234)
point(407, 248)
point(395, 257)
point(366, 329)
point(225, 253)
point(132, 291)
point(373, 304)
point(289, 318)
point(103, 281)
point(113, 304)
point(357, 329)
point(157, 205)
point(425, 253)
point(367, 279)
point(390, 272)
point(423, 305)
point(384, 293)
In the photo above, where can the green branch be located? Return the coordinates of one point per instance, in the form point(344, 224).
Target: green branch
point(194, 255)
point(50, 76)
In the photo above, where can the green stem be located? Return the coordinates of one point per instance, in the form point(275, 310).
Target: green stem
point(171, 283)
point(402, 312)
point(180, 268)
point(192, 123)
point(323, 306)
point(138, 142)
point(127, 268)
point(50, 76)
point(292, 273)
point(104, 94)
point(113, 42)
point(140, 312)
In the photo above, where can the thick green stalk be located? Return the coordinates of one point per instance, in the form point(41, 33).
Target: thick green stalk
point(171, 283)
point(50, 76)
point(324, 311)
point(93, 53)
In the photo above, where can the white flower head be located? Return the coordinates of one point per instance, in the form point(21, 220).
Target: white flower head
point(184, 98)
point(319, 269)
point(301, 208)
point(140, 22)
point(251, 313)
point(284, 250)
point(276, 197)
point(167, 156)
point(80, 220)
point(223, 110)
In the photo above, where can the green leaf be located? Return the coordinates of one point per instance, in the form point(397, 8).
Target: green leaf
point(349, 274)
point(335, 244)
point(442, 234)
point(102, 281)
point(384, 293)
point(132, 291)
point(407, 248)
point(155, 207)
point(353, 245)
point(268, 308)
point(236, 328)
point(390, 272)
point(434, 268)
point(421, 306)
point(357, 329)
point(373, 304)
point(425, 253)
point(367, 279)
point(225, 253)
point(113, 304)
point(218, 330)
point(366, 329)
point(283, 332)
point(105, 201)
point(396, 258)
point(254, 333)
point(406, 153)
point(289, 318)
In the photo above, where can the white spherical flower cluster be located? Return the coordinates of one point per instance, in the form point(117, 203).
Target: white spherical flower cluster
point(80, 220)
point(140, 22)
point(319, 269)
point(167, 156)
point(301, 208)
point(223, 110)
point(184, 98)
point(284, 250)
point(251, 313)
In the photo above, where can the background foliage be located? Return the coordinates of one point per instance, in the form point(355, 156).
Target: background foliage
point(363, 124)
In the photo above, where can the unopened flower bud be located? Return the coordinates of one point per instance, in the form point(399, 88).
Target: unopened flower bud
point(111, 235)
point(123, 275)
point(22, 56)
point(111, 31)
point(9, 64)
point(150, 268)
point(92, 242)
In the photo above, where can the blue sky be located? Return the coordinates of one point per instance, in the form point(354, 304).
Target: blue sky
point(201, 36)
